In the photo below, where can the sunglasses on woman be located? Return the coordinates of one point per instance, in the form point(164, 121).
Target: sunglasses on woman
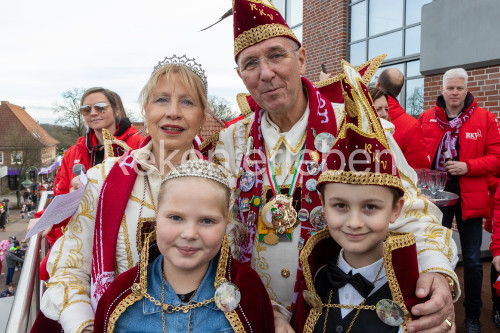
point(99, 107)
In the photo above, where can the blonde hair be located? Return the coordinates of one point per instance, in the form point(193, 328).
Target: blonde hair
point(225, 194)
point(187, 77)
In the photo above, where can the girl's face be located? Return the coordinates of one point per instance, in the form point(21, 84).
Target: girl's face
point(191, 224)
point(99, 118)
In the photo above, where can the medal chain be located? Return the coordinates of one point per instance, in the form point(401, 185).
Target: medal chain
point(272, 178)
point(360, 307)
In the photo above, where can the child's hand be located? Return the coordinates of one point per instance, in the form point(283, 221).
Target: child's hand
point(496, 263)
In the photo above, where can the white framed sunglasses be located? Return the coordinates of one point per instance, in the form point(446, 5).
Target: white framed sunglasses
point(99, 107)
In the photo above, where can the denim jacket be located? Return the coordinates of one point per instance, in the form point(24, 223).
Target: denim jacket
point(145, 316)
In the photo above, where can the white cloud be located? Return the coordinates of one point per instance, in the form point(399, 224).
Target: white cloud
point(48, 47)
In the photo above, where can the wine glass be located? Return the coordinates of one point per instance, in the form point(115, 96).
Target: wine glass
point(432, 181)
point(442, 177)
point(419, 177)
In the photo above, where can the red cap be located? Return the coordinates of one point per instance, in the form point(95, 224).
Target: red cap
point(255, 21)
point(361, 153)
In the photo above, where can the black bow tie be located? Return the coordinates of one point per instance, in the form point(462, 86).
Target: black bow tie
point(337, 279)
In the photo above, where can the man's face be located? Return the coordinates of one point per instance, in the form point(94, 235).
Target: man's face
point(275, 86)
point(454, 93)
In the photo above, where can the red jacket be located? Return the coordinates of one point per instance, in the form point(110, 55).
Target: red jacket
point(79, 154)
point(495, 222)
point(409, 136)
point(479, 140)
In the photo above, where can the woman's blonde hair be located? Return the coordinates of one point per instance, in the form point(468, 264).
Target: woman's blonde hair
point(188, 78)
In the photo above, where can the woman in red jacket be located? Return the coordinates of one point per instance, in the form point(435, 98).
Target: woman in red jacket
point(101, 109)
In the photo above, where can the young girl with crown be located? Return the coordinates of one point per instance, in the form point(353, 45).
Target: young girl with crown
point(193, 285)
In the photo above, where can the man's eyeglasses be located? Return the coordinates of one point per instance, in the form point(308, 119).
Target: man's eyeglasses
point(273, 58)
point(99, 107)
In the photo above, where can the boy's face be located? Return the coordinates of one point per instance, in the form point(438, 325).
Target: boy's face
point(190, 224)
point(358, 218)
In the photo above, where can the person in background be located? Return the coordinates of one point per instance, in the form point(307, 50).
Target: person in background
point(12, 259)
point(380, 104)
point(101, 109)
point(464, 141)
point(407, 132)
point(10, 291)
point(3, 218)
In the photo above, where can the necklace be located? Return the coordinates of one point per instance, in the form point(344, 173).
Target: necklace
point(360, 307)
point(168, 308)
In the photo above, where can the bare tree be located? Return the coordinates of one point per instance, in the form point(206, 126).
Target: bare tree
point(23, 152)
point(221, 107)
point(70, 110)
point(415, 102)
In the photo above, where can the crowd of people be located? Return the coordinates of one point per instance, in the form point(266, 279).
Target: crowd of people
point(303, 216)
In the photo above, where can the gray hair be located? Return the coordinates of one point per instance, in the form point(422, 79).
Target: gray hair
point(455, 73)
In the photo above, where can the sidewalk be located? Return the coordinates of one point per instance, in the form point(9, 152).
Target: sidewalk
point(16, 227)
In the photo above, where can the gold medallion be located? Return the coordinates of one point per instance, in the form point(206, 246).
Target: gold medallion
point(284, 215)
point(271, 239)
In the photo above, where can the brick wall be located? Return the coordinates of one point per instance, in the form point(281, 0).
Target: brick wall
point(324, 35)
point(484, 84)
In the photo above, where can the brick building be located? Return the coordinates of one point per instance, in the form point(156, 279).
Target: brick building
point(423, 39)
point(24, 144)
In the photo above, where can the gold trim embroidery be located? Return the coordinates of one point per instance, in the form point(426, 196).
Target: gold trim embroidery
point(109, 139)
point(360, 178)
point(139, 201)
point(241, 100)
point(373, 64)
point(132, 297)
point(210, 140)
point(126, 239)
point(288, 146)
point(85, 324)
point(152, 234)
point(262, 32)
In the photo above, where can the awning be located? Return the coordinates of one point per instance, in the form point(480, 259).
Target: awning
point(49, 169)
point(41, 171)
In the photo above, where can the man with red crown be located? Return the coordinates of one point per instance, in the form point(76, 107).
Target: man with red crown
point(274, 157)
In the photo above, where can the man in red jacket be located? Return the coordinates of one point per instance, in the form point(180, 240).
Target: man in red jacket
point(464, 140)
point(408, 133)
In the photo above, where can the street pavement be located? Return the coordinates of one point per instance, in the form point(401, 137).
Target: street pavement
point(16, 227)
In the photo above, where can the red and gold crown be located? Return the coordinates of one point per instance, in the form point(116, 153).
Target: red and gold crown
point(361, 153)
point(255, 21)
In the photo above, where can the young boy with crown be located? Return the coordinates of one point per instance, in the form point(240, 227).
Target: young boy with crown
point(359, 277)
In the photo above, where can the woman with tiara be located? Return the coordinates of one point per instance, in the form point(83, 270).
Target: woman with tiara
point(105, 236)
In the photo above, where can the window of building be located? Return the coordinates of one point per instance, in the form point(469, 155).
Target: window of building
point(1, 157)
point(292, 11)
point(16, 157)
point(392, 27)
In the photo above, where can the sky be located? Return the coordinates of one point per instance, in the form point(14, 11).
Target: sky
point(48, 47)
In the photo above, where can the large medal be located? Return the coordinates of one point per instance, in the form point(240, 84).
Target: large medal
point(389, 312)
point(227, 297)
point(284, 215)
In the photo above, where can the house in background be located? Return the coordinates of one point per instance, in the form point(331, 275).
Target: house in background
point(24, 146)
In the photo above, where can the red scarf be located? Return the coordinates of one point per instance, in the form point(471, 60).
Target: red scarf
point(113, 200)
point(450, 137)
point(321, 119)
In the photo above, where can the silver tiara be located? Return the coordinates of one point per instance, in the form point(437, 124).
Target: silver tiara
point(184, 61)
point(198, 168)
